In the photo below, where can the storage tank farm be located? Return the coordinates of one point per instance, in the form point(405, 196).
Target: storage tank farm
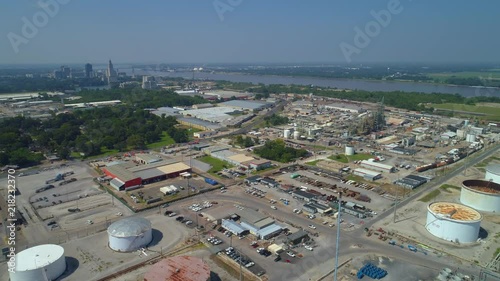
point(39, 263)
point(130, 234)
point(453, 222)
point(296, 134)
point(482, 195)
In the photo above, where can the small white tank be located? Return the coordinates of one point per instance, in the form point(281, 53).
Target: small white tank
point(349, 150)
point(296, 135)
point(470, 138)
point(286, 134)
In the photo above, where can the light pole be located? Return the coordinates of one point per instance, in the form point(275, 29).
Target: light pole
point(338, 240)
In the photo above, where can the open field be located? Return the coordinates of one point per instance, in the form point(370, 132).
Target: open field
point(483, 112)
point(351, 158)
point(217, 165)
point(165, 140)
point(466, 74)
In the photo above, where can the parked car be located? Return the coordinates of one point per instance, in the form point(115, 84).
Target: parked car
point(278, 258)
point(291, 254)
point(312, 226)
point(307, 247)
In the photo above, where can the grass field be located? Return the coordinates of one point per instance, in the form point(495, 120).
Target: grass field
point(480, 111)
point(165, 140)
point(431, 195)
point(346, 159)
point(104, 153)
point(447, 187)
point(466, 74)
point(217, 165)
point(339, 157)
point(313, 163)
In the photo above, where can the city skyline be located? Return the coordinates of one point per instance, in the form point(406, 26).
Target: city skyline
point(251, 32)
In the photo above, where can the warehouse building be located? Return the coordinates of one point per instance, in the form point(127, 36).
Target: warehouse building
point(244, 105)
point(309, 208)
point(411, 181)
point(234, 227)
point(345, 107)
point(257, 164)
point(126, 177)
point(204, 134)
point(304, 195)
point(367, 174)
point(198, 123)
point(144, 158)
point(298, 237)
point(377, 166)
point(269, 182)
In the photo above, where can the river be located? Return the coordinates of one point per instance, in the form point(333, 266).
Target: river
point(353, 84)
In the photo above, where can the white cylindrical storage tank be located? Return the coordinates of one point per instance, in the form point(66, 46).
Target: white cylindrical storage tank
point(453, 222)
point(470, 138)
point(286, 134)
point(481, 195)
point(130, 234)
point(493, 173)
point(349, 150)
point(296, 135)
point(39, 263)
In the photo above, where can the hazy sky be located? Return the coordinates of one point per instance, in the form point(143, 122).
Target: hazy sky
point(252, 31)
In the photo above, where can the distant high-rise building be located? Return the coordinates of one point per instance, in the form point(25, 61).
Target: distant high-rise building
point(58, 74)
point(148, 82)
point(88, 71)
point(66, 71)
point(111, 73)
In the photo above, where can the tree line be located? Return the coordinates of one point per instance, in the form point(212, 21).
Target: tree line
point(278, 151)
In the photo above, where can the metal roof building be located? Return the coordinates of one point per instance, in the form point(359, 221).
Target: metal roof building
point(411, 181)
point(246, 105)
point(234, 227)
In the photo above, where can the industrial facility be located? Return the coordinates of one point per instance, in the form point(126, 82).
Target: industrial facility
point(39, 263)
point(453, 222)
point(130, 234)
point(180, 268)
point(129, 175)
point(481, 195)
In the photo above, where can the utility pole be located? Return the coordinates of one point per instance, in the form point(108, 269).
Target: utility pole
point(338, 239)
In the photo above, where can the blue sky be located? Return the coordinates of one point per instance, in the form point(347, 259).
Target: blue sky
point(253, 31)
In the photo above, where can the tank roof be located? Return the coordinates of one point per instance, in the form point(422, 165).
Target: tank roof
point(494, 169)
point(455, 211)
point(482, 186)
point(38, 257)
point(133, 226)
point(180, 268)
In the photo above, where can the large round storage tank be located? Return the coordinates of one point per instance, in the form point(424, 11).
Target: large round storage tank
point(130, 234)
point(481, 195)
point(493, 173)
point(453, 222)
point(349, 150)
point(179, 268)
point(296, 135)
point(470, 138)
point(39, 263)
point(286, 134)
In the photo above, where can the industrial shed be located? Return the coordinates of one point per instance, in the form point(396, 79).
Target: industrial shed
point(367, 174)
point(234, 227)
point(303, 195)
point(144, 158)
point(377, 166)
point(411, 181)
point(298, 237)
point(246, 105)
